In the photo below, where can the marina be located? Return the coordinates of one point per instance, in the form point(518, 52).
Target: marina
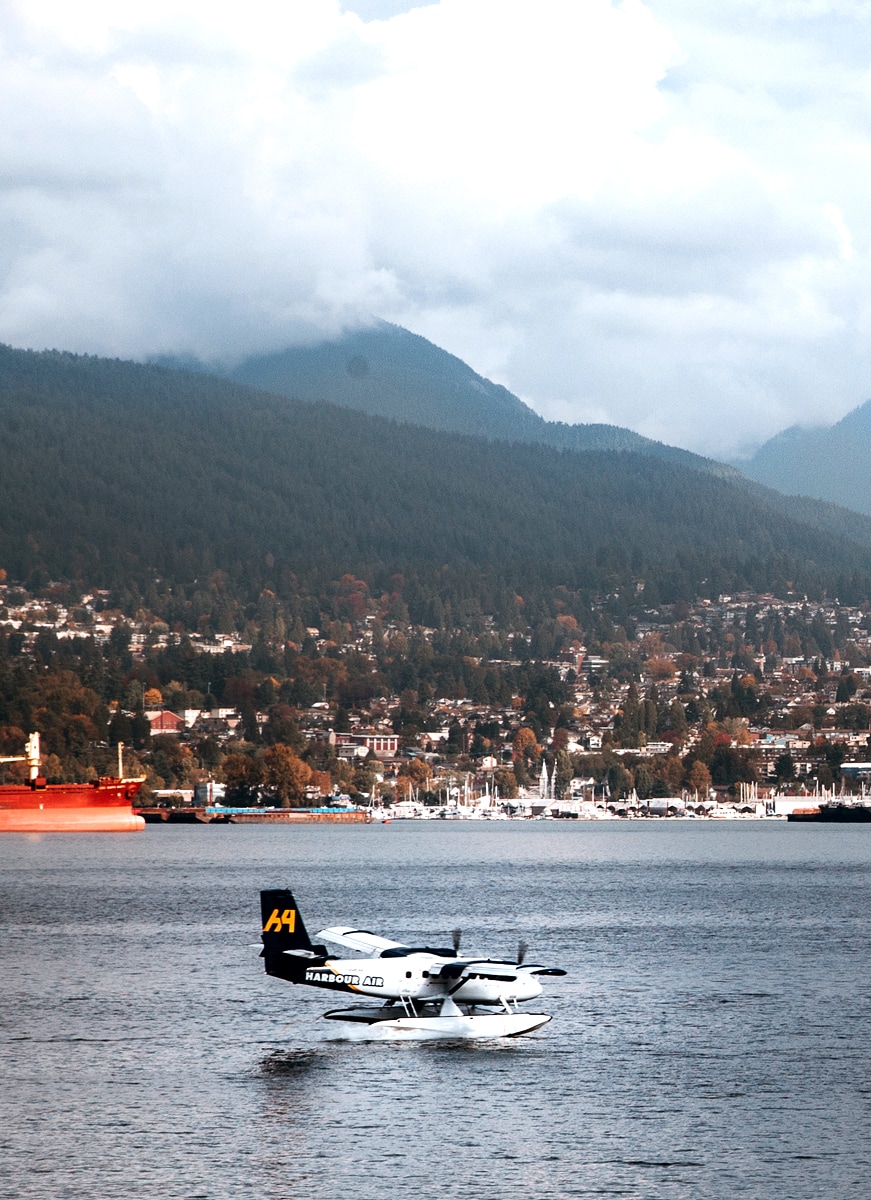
point(847, 809)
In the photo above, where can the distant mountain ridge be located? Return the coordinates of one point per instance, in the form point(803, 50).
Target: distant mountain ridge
point(386, 371)
point(137, 478)
point(826, 462)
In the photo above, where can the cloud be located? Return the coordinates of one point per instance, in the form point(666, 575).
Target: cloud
point(654, 215)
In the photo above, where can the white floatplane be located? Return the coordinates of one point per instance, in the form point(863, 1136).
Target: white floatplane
point(425, 991)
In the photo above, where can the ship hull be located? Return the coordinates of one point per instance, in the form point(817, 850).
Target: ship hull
point(101, 807)
point(835, 814)
point(70, 820)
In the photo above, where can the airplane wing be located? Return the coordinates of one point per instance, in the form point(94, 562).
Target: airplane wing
point(464, 969)
point(356, 939)
point(485, 969)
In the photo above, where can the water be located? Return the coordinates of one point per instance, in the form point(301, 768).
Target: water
point(711, 1039)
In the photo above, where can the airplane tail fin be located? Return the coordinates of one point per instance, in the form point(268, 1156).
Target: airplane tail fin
point(287, 947)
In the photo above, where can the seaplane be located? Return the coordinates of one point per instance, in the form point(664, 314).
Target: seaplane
point(426, 992)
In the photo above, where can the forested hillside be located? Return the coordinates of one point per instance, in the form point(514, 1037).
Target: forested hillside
point(387, 371)
point(150, 481)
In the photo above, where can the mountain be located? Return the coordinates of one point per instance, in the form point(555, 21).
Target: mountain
point(149, 480)
point(829, 463)
point(387, 371)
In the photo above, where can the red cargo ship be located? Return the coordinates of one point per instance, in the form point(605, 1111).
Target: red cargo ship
point(104, 806)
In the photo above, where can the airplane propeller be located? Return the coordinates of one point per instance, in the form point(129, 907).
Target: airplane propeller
point(456, 934)
point(522, 948)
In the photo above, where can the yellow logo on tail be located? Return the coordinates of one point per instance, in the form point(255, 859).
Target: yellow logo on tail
point(277, 921)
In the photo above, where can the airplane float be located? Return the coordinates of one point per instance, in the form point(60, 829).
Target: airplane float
point(425, 991)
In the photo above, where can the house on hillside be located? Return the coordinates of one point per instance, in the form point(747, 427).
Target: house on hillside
point(165, 722)
point(382, 744)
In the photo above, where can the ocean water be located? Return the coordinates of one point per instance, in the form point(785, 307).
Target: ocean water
point(710, 1041)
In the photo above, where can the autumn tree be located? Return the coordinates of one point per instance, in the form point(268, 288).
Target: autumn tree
point(560, 739)
point(699, 778)
point(660, 668)
point(172, 762)
point(243, 775)
point(524, 753)
point(417, 771)
point(506, 782)
point(670, 770)
point(286, 775)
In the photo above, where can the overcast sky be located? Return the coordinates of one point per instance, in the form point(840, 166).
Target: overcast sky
point(657, 215)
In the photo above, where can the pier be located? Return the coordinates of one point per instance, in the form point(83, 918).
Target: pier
point(191, 815)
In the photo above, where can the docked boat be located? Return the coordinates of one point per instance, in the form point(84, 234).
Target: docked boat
point(835, 813)
point(102, 806)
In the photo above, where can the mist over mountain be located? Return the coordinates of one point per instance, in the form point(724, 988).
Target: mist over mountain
point(387, 371)
point(142, 478)
point(827, 462)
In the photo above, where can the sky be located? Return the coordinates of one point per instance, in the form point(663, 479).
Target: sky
point(651, 214)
